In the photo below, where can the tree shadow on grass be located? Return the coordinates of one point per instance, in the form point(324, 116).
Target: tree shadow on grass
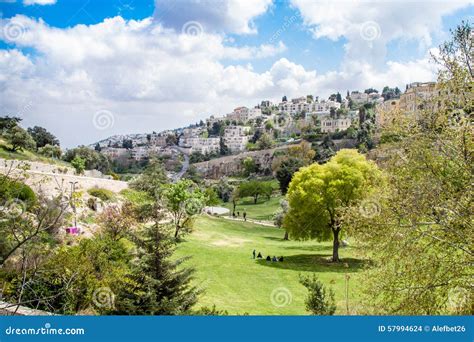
point(317, 263)
point(314, 248)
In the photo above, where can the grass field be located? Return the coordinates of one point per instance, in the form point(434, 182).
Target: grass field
point(25, 155)
point(263, 210)
point(221, 252)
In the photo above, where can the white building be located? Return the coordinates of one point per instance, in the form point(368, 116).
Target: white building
point(236, 138)
point(358, 97)
point(335, 125)
point(301, 104)
point(202, 145)
point(244, 114)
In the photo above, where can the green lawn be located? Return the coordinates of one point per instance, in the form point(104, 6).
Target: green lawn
point(221, 252)
point(263, 210)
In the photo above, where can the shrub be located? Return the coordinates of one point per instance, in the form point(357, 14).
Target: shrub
point(319, 301)
point(103, 194)
point(11, 189)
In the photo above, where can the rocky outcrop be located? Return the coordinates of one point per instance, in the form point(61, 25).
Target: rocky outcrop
point(232, 165)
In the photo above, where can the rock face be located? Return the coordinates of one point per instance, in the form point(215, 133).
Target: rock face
point(232, 165)
point(7, 309)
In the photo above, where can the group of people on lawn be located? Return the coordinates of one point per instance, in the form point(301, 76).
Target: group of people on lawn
point(238, 215)
point(268, 258)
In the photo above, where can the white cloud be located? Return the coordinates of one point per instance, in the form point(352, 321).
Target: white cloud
point(38, 2)
point(369, 27)
point(152, 77)
point(230, 16)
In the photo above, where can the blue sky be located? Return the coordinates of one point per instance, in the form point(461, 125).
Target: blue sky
point(64, 62)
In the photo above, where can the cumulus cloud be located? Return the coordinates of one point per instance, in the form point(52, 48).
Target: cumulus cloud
point(38, 2)
point(368, 28)
point(153, 77)
point(230, 16)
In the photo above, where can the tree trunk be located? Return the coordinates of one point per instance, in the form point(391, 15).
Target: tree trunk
point(255, 199)
point(176, 232)
point(286, 236)
point(335, 245)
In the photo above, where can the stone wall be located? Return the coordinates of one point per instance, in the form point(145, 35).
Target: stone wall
point(232, 165)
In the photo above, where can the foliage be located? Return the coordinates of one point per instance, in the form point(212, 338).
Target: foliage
point(249, 166)
point(19, 139)
point(12, 189)
point(285, 172)
point(116, 222)
point(42, 137)
point(93, 159)
point(255, 189)
point(319, 194)
point(79, 165)
point(50, 151)
point(224, 189)
point(103, 194)
point(182, 200)
point(158, 285)
point(319, 300)
point(151, 180)
point(7, 123)
point(264, 142)
point(423, 236)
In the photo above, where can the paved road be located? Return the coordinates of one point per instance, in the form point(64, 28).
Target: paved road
point(185, 167)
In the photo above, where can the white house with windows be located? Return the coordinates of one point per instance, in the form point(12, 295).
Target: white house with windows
point(236, 137)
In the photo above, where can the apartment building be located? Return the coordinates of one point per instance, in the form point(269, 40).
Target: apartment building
point(329, 125)
point(416, 96)
point(236, 138)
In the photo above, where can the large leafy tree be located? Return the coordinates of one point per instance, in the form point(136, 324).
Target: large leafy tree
point(422, 240)
point(255, 189)
point(19, 139)
point(319, 195)
point(151, 180)
point(183, 200)
point(285, 172)
point(42, 137)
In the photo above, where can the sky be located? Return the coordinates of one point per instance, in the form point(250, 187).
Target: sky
point(86, 69)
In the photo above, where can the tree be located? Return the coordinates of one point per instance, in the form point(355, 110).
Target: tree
point(255, 189)
point(249, 166)
point(319, 194)
point(319, 300)
point(93, 159)
point(19, 139)
point(279, 216)
point(116, 222)
point(223, 149)
point(183, 200)
point(42, 137)
point(423, 236)
point(158, 284)
point(79, 165)
point(7, 123)
point(265, 142)
point(50, 151)
point(151, 180)
point(370, 91)
point(127, 143)
point(338, 97)
point(285, 172)
point(224, 190)
point(171, 139)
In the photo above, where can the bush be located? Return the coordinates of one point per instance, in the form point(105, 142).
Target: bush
point(103, 194)
point(11, 190)
point(319, 301)
point(136, 197)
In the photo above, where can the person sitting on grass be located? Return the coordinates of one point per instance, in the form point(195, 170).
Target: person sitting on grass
point(268, 258)
point(259, 256)
point(280, 259)
point(274, 259)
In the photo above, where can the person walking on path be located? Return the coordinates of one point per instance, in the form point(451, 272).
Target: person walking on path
point(253, 253)
point(245, 215)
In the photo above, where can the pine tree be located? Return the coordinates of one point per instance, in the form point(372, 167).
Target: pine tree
point(158, 285)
